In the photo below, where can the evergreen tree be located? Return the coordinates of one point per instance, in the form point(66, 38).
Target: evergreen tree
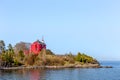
point(2, 46)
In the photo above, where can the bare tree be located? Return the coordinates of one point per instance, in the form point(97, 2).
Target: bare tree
point(22, 46)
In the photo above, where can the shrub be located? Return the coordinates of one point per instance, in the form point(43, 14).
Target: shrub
point(29, 59)
point(54, 60)
point(7, 58)
point(84, 58)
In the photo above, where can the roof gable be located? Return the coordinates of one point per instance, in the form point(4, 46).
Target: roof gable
point(39, 42)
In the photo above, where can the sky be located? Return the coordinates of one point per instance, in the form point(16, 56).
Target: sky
point(86, 26)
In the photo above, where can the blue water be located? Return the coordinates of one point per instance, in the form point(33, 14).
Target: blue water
point(65, 74)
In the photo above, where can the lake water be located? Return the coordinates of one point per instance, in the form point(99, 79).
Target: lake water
point(65, 74)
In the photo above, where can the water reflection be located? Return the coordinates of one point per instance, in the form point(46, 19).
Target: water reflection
point(26, 74)
point(61, 74)
point(35, 75)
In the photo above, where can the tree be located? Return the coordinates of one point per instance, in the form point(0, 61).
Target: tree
point(79, 57)
point(49, 52)
point(21, 46)
point(2, 46)
point(10, 47)
point(7, 58)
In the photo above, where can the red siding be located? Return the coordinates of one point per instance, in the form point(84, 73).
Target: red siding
point(36, 47)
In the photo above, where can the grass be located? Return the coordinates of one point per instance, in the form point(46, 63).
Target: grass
point(45, 57)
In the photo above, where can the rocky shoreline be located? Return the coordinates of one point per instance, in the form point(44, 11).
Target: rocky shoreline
point(56, 67)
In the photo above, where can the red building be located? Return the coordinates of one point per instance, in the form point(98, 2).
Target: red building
point(37, 46)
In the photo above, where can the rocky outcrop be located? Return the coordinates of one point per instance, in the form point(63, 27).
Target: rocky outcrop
point(57, 67)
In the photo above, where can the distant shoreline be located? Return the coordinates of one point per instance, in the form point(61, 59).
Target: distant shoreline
point(55, 67)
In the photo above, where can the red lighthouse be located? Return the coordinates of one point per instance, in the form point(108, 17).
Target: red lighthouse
point(37, 46)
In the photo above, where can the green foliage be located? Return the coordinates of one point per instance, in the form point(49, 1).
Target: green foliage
point(49, 52)
point(19, 58)
point(7, 59)
point(10, 48)
point(84, 58)
point(69, 58)
point(7, 56)
point(10, 58)
point(79, 57)
point(2, 46)
point(17, 61)
point(21, 55)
